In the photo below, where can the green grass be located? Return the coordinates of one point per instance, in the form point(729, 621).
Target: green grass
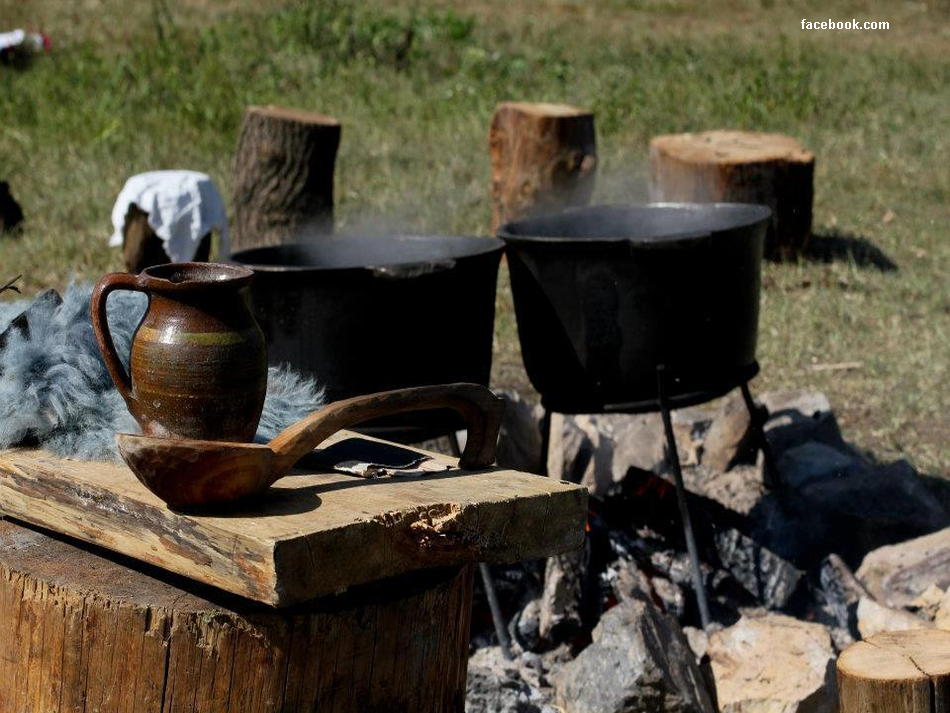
point(138, 86)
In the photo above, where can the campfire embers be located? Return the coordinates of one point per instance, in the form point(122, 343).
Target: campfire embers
point(777, 568)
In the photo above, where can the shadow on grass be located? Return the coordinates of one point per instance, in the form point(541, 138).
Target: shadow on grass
point(833, 247)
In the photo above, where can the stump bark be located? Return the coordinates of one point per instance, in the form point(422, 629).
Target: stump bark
point(740, 167)
point(80, 630)
point(142, 248)
point(283, 176)
point(896, 672)
point(543, 159)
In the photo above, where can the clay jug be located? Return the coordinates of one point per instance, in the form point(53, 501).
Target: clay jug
point(199, 364)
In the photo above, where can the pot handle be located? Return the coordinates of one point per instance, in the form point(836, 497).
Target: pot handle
point(100, 325)
point(479, 407)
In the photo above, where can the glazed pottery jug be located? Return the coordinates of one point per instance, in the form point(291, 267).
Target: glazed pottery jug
point(199, 364)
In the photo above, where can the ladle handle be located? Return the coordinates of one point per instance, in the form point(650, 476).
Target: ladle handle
point(480, 409)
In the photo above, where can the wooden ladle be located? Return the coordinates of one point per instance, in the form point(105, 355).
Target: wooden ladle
point(194, 474)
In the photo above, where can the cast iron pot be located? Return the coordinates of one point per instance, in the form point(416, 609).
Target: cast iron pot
point(363, 314)
point(603, 295)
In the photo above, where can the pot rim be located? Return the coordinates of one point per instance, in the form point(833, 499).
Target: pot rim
point(191, 276)
point(490, 245)
point(757, 214)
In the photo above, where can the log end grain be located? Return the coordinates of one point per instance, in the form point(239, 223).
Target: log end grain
point(905, 671)
point(740, 167)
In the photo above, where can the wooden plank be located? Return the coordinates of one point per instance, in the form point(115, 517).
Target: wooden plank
point(313, 534)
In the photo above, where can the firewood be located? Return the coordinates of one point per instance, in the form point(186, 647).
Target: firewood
point(740, 167)
point(283, 176)
point(896, 672)
point(543, 159)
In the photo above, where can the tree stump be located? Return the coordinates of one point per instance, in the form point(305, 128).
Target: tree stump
point(82, 630)
point(896, 672)
point(740, 167)
point(142, 248)
point(543, 159)
point(283, 176)
point(10, 213)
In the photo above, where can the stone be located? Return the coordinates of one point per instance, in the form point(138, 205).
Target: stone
point(690, 426)
point(519, 440)
point(797, 417)
point(598, 450)
point(495, 685)
point(730, 437)
point(771, 580)
point(896, 575)
point(927, 604)
point(740, 489)
point(525, 626)
point(698, 641)
point(814, 462)
point(772, 663)
point(560, 615)
point(838, 595)
point(873, 618)
point(639, 662)
point(942, 617)
point(868, 508)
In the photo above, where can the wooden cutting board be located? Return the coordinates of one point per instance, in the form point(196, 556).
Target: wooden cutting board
point(313, 534)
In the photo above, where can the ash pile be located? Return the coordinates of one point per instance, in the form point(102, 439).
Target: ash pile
point(839, 548)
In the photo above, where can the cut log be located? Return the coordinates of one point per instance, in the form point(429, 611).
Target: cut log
point(283, 176)
point(80, 631)
point(896, 672)
point(740, 167)
point(142, 248)
point(543, 159)
point(10, 213)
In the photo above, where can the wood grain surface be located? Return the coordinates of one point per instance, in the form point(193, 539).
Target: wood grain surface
point(313, 533)
point(80, 631)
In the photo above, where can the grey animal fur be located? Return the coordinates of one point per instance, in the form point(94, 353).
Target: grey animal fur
point(55, 390)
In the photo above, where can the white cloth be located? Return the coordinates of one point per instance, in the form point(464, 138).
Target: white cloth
point(182, 207)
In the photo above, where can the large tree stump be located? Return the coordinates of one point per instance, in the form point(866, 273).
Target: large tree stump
point(896, 672)
point(82, 631)
point(142, 248)
point(543, 159)
point(283, 176)
point(740, 167)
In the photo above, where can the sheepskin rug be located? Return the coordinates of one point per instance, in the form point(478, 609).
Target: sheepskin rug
point(55, 391)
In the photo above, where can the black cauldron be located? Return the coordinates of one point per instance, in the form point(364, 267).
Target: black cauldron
point(371, 313)
point(604, 295)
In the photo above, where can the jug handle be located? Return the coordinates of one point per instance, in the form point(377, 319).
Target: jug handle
point(100, 325)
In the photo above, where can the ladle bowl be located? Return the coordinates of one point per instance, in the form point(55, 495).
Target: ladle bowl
point(189, 474)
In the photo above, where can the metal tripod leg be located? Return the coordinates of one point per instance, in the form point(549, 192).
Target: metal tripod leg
point(770, 474)
point(487, 582)
point(698, 584)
